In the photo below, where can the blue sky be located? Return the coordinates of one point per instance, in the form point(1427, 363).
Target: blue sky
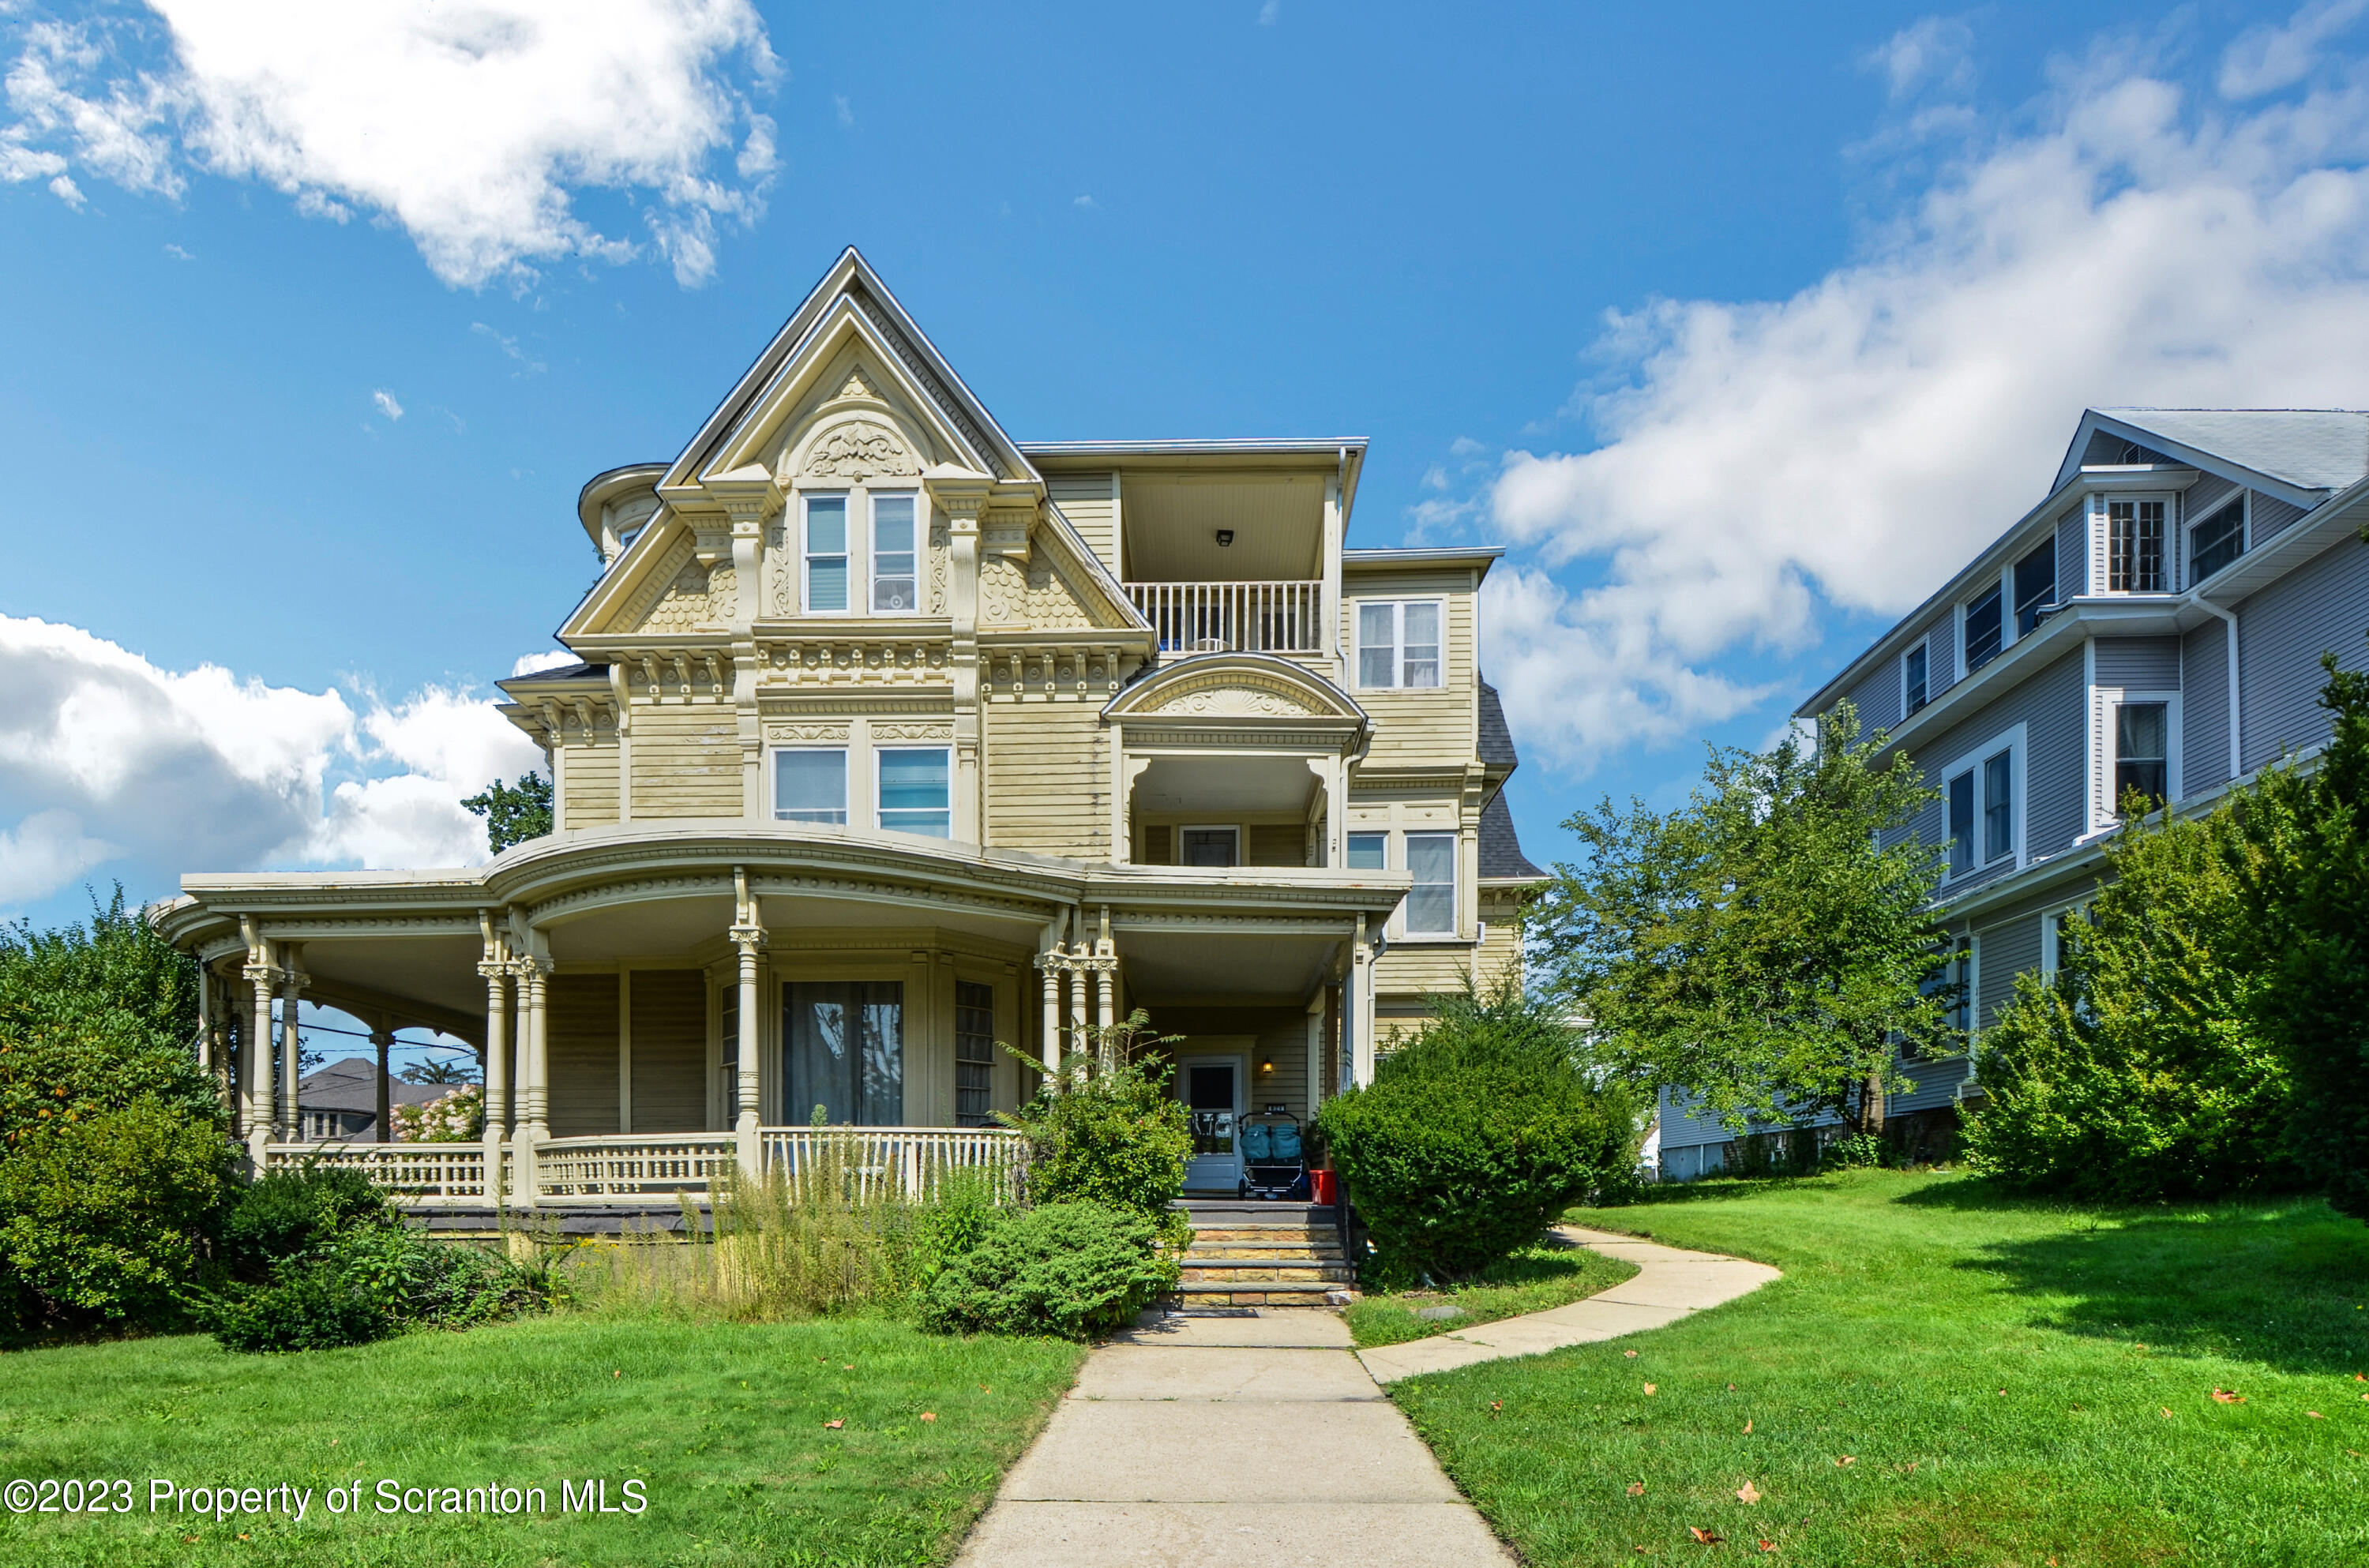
point(1742, 324)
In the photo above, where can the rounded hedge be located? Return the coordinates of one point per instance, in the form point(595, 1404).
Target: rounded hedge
point(1472, 1138)
point(1068, 1269)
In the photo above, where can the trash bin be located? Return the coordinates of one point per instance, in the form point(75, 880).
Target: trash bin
point(1324, 1186)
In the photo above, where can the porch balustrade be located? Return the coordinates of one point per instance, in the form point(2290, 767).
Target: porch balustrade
point(1234, 617)
point(576, 1170)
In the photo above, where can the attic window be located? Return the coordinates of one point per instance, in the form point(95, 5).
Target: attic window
point(2135, 546)
point(2110, 451)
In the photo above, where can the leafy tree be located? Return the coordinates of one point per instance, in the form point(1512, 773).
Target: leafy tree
point(1762, 947)
point(2136, 1071)
point(440, 1070)
point(1107, 1134)
point(2302, 869)
point(514, 813)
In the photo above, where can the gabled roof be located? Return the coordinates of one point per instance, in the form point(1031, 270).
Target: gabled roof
point(851, 279)
point(345, 1085)
point(2310, 449)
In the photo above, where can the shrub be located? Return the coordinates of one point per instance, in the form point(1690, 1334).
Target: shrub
point(105, 1217)
point(1476, 1134)
point(290, 1211)
point(1110, 1135)
point(2134, 1073)
point(1068, 1269)
point(371, 1281)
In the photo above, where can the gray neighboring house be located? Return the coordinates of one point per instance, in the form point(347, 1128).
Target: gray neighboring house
point(2157, 621)
point(339, 1102)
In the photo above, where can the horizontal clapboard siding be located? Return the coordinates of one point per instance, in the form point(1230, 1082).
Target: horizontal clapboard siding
point(581, 1015)
point(1277, 843)
point(1085, 501)
point(1437, 726)
point(2321, 606)
point(686, 763)
point(2072, 554)
point(587, 785)
point(670, 1019)
point(2271, 517)
point(2147, 664)
point(2204, 709)
point(1878, 696)
point(2001, 952)
point(1047, 779)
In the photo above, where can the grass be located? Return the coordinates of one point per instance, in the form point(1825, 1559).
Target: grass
point(2012, 1382)
point(1532, 1280)
point(724, 1422)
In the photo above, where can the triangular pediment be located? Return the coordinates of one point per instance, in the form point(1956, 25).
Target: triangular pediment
point(1234, 686)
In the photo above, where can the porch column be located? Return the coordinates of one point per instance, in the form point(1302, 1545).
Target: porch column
point(291, 1012)
point(1316, 1052)
point(497, 973)
point(384, 1038)
point(1105, 982)
point(747, 1142)
point(1079, 967)
point(1049, 965)
point(1361, 1008)
point(533, 1089)
point(255, 1096)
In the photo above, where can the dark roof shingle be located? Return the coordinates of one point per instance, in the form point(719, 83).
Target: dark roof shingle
point(1501, 848)
point(1496, 740)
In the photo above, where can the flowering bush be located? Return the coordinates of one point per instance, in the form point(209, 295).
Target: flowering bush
point(457, 1118)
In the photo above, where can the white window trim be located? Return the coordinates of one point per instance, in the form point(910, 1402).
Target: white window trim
point(1381, 833)
point(2050, 958)
point(2245, 531)
point(2175, 527)
point(1456, 884)
point(1398, 642)
point(1176, 845)
point(845, 749)
point(871, 549)
point(2011, 739)
point(876, 783)
point(2104, 700)
point(858, 590)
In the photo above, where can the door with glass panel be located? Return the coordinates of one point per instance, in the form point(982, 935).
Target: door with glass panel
point(1211, 1089)
point(843, 1052)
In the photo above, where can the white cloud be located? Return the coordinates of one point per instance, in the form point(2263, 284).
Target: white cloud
point(177, 254)
point(384, 401)
point(534, 663)
point(1932, 55)
point(1268, 12)
point(1854, 442)
point(2265, 59)
point(1084, 204)
point(846, 114)
point(110, 766)
point(471, 127)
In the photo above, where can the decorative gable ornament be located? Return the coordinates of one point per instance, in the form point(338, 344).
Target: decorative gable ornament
point(860, 450)
point(1235, 702)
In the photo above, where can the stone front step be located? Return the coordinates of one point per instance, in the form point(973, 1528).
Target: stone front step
point(1218, 1271)
point(1277, 1293)
point(1297, 1251)
point(1267, 1233)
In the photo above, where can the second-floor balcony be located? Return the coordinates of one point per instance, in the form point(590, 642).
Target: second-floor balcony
point(1234, 617)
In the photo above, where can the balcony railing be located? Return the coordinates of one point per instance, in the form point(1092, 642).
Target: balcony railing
point(1234, 617)
point(918, 1160)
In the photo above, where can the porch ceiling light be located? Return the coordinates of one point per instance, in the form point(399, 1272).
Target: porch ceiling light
point(1225, 537)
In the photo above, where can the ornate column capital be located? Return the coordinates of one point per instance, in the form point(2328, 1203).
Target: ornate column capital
point(497, 968)
point(749, 939)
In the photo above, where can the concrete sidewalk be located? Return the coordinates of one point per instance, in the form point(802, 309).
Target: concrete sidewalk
point(1670, 1284)
point(1255, 1440)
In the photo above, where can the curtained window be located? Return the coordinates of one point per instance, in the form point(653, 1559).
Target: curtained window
point(844, 1050)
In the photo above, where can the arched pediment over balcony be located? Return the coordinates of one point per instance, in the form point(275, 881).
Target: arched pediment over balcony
point(1255, 691)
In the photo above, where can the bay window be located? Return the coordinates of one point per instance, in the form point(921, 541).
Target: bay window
point(1431, 902)
point(843, 1052)
point(893, 554)
point(826, 555)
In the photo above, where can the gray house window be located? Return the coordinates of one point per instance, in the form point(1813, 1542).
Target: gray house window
point(1962, 823)
point(1998, 806)
point(2217, 540)
point(2035, 587)
point(1982, 631)
point(2135, 546)
point(1915, 680)
point(2142, 735)
point(1982, 799)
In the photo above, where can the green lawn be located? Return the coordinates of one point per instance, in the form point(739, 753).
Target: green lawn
point(723, 1424)
point(2012, 1383)
point(1530, 1281)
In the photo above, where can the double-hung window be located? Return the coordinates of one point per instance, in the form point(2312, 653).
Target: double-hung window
point(913, 790)
point(1913, 682)
point(2217, 540)
point(1210, 846)
point(811, 785)
point(2142, 751)
point(826, 555)
point(2135, 546)
point(893, 554)
point(1431, 902)
point(2035, 586)
point(1398, 643)
point(1370, 851)
point(1984, 631)
point(974, 1051)
point(1981, 804)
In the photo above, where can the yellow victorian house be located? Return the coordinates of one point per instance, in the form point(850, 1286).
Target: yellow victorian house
point(890, 740)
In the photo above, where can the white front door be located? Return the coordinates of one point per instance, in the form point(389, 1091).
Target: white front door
point(1211, 1088)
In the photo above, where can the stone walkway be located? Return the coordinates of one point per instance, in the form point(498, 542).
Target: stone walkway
point(1252, 1441)
point(1670, 1283)
point(1265, 1439)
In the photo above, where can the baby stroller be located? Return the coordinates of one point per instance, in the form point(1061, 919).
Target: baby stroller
point(1273, 1164)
